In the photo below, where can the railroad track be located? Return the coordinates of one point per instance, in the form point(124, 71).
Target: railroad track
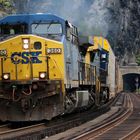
point(5, 127)
point(9, 134)
point(108, 124)
point(42, 130)
point(123, 127)
point(135, 133)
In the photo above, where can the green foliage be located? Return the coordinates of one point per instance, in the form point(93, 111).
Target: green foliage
point(138, 59)
point(6, 6)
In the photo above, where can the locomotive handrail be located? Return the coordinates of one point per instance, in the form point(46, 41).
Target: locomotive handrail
point(92, 65)
point(1, 67)
point(87, 73)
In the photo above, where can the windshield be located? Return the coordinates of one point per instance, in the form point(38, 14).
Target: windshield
point(7, 30)
point(46, 28)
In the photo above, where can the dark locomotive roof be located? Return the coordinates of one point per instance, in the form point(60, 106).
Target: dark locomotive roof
point(84, 43)
point(31, 18)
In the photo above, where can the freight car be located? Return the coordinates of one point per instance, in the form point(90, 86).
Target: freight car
point(44, 72)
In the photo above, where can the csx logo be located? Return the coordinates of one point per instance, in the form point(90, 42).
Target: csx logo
point(25, 57)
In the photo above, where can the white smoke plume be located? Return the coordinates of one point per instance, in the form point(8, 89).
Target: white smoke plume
point(98, 18)
point(91, 16)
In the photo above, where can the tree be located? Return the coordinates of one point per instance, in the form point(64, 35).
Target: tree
point(6, 7)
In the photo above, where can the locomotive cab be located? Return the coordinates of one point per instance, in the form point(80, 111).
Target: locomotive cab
point(102, 45)
point(32, 66)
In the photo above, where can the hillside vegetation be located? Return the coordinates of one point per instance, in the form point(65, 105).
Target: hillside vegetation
point(6, 7)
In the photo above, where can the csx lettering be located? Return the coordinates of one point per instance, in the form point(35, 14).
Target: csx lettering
point(25, 57)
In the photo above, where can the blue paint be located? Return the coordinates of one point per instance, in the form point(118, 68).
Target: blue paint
point(26, 57)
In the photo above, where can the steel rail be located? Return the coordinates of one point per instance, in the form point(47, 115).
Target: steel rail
point(92, 134)
point(41, 128)
point(5, 127)
point(22, 131)
point(132, 135)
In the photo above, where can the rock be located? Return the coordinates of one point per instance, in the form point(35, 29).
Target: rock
point(127, 38)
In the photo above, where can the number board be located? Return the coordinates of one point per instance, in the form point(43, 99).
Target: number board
point(54, 51)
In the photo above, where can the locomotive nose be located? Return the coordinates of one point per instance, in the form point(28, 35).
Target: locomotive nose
point(25, 57)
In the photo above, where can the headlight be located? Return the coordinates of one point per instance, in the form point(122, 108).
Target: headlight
point(42, 75)
point(25, 44)
point(103, 56)
point(6, 76)
point(25, 41)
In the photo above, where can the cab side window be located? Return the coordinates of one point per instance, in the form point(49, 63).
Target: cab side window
point(72, 33)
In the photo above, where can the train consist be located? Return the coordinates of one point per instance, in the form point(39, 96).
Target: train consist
point(45, 71)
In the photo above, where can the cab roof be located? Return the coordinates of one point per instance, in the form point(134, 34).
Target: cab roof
point(31, 18)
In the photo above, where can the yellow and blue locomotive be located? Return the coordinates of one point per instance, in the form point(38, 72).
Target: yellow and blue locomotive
point(44, 72)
